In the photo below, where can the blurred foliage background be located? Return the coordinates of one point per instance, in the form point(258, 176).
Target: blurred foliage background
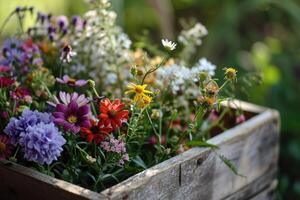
point(252, 35)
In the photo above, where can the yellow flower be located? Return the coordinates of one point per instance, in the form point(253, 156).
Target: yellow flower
point(230, 73)
point(138, 90)
point(142, 101)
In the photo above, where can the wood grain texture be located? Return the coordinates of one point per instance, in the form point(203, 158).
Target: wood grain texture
point(18, 183)
point(196, 174)
point(199, 174)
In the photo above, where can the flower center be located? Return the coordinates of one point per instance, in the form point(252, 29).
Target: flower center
point(2, 147)
point(111, 114)
point(95, 129)
point(72, 119)
point(71, 81)
point(139, 89)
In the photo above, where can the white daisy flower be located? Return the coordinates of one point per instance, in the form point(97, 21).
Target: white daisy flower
point(168, 44)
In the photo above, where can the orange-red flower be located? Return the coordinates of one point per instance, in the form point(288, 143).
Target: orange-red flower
point(111, 113)
point(96, 132)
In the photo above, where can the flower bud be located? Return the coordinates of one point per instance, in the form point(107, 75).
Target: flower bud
point(203, 76)
point(133, 71)
point(91, 83)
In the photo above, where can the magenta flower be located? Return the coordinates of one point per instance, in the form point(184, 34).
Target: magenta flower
point(71, 82)
point(72, 116)
point(4, 69)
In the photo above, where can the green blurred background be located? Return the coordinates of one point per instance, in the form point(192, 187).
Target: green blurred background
point(253, 35)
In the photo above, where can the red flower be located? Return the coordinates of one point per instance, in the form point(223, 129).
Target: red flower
point(20, 93)
point(5, 82)
point(96, 132)
point(6, 147)
point(112, 114)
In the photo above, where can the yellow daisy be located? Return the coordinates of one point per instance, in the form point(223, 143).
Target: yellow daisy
point(138, 90)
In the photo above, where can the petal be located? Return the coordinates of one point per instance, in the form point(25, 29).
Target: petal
point(66, 78)
point(58, 115)
point(73, 106)
point(60, 80)
point(61, 108)
point(80, 83)
point(83, 110)
point(85, 123)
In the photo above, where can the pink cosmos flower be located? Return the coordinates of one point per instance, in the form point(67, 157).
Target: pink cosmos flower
point(71, 82)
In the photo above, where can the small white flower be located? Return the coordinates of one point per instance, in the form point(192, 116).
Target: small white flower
point(204, 65)
point(168, 44)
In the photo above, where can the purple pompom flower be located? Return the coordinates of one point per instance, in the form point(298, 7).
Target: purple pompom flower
point(42, 143)
point(29, 118)
point(72, 116)
point(71, 82)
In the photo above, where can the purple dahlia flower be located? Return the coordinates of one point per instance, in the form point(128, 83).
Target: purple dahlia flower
point(29, 118)
point(42, 143)
point(72, 116)
point(71, 82)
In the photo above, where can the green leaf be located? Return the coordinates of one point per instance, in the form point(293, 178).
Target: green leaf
point(230, 165)
point(198, 143)
point(138, 161)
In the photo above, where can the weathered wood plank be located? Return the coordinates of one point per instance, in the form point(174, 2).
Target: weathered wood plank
point(257, 187)
point(199, 174)
point(267, 194)
point(18, 182)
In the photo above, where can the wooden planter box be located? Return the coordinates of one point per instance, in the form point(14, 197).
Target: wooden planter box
point(198, 173)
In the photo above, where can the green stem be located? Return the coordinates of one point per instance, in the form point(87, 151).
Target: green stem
point(6, 21)
point(149, 118)
point(154, 69)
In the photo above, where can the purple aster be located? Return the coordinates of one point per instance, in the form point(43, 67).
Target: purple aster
point(29, 118)
point(42, 143)
point(71, 82)
point(72, 116)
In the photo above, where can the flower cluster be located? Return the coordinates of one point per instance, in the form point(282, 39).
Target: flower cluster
point(178, 77)
point(36, 133)
point(116, 146)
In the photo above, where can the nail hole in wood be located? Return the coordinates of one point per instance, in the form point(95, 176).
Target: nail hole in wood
point(200, 161)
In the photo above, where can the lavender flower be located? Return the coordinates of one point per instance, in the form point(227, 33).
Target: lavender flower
point(42, 143)
point(71, 82)
point(72, 117)
point(29, 118)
